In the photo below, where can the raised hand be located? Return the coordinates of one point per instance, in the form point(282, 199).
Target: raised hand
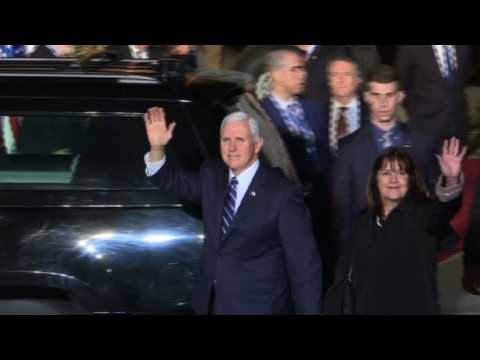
point(158, 133)
point(450, 160)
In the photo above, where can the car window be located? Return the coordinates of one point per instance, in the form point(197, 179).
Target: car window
point(105, 150)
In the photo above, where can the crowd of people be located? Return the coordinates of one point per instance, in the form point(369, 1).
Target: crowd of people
point(382, 191)
point(389, 188)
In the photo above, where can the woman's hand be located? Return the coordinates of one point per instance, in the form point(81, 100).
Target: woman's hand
point(450, 161)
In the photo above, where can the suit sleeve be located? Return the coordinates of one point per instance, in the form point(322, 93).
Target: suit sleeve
point(444, 208)
point(183, 184)
point(468, 65)
point(342, 197)
point(303, 259)
point(321, 119)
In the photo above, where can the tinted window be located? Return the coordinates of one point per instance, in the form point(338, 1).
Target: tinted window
point(76, 150)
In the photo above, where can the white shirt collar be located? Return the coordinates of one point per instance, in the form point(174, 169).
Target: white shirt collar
point(311, 50)
point(244, 181)
point(283, 103)
point(352, 104)
point(247, 174)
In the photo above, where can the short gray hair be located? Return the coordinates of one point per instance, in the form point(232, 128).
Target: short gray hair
point(242, 116)
point(276, 59)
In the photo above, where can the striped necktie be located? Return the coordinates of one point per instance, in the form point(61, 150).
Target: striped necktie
point(449, 61)
point(342, 124)
point(229, 205)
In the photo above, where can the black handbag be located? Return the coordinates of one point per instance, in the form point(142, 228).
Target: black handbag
point(340, 297)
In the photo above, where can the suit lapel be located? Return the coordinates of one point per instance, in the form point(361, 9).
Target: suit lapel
point(364, 113)
point(252, 195)
point(275, 116)
point(308, 118)
point(462, 61)
point(408, 141)
point(370, 149)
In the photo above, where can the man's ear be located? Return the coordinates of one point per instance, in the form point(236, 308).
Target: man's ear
point(401, 96)
point(258, 145)
point(366, 96)
point(274, 74)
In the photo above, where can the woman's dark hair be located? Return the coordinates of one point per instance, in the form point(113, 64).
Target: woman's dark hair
point(417, 192)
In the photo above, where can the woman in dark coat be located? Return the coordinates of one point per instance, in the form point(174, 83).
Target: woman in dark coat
point(394, 242)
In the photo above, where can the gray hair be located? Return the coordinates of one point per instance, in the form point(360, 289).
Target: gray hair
point(263, 86)
point(242, 116)
point(275, 59)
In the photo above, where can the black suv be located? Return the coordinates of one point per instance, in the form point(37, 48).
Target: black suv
point(82, 229)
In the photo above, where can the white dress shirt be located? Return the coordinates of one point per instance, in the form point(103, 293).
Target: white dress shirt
point(283, 103)
point(310, 51)
point(352, 114)
point(244, 179)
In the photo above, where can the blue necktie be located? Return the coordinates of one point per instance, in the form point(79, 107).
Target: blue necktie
point(229, 205)
point(295, 119)
point(387, 140)
point(296, 123)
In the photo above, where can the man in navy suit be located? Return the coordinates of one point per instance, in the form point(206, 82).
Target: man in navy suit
point(357, 152)
point(435, 77)
point(303, 126)
point(259, 255)
point(347, 110)
point(318, 56)
point(302, 123)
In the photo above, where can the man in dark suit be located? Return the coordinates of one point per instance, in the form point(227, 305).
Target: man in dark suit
point(347, 110)
point(434, 77)
point(259, 255)
point(303, 126)
point(318, 56)
point(358, 151)
point(302, 123)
